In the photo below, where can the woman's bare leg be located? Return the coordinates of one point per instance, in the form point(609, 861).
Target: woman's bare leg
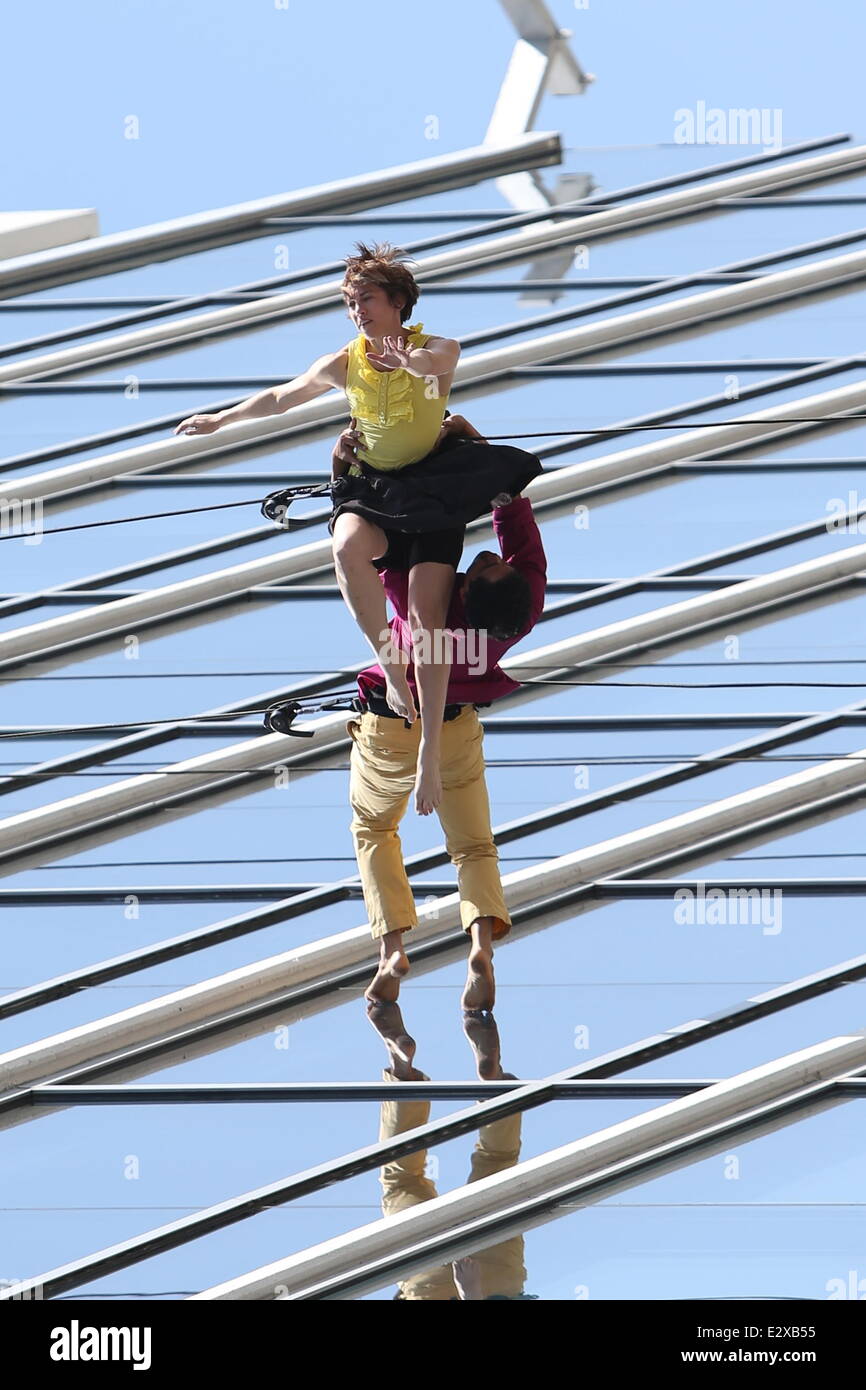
point(357, 543)
point(430, 588)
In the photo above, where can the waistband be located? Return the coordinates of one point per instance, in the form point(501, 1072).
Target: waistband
point(377, 704)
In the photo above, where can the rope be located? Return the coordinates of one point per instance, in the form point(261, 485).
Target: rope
point(327, 671)
point(321, 489)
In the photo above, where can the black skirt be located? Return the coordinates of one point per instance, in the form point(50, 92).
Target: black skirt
point(461, 480)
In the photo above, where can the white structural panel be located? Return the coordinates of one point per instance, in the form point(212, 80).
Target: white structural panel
point(424, 176)
point(168, 601)
point(615, 331)
point(300, 966)
point(593, 1155)
point(89, 810)
point(460, 261)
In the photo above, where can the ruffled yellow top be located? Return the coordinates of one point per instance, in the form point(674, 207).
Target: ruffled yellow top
point(399, 415)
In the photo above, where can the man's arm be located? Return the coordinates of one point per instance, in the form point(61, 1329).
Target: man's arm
point(323, 375)
point(520, 545)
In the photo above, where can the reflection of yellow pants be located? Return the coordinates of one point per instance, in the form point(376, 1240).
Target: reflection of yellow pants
point(383, 767)
point(404, 1182)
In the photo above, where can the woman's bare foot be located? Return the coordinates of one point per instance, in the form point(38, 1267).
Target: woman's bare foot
point(397, 692)
point(388, 1022)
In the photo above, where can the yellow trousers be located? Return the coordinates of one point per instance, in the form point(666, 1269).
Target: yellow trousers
point(383, 769)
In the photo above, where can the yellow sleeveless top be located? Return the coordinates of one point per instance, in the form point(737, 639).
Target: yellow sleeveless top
point(397, 413)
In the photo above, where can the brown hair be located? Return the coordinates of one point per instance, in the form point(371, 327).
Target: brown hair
point(383, 265)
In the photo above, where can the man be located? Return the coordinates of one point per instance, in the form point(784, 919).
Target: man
point(498, 600)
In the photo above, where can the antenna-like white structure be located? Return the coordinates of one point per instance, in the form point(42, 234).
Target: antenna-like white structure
point(542, 62)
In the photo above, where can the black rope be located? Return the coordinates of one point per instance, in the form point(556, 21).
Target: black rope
point(35, 731)
point(321, 489)
point(513, 666)
point(305, 704)
point(350, 859)
point(599, 760)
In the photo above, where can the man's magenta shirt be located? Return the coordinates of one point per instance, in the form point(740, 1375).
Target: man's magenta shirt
point(520, 545)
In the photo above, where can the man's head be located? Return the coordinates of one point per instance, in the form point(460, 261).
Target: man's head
point(379, 290)
point(496, 598)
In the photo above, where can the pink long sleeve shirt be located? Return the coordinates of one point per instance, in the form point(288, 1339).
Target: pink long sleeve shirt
point(476, 676)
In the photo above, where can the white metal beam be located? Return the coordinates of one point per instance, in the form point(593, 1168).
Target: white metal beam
point(541, 61)
point(125, 615)
point(462, 260)
point(773, 803)
point(594, 1155)
point(89, 810)
point(614, 331)
point(424, 176)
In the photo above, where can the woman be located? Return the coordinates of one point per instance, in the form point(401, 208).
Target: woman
point(397, 379)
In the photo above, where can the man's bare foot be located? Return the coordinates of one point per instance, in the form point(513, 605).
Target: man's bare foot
point(480, 1028)
point(388, 1022)
point(480, 990)
point(397, 692)
point(428, 788)
point(384, 987)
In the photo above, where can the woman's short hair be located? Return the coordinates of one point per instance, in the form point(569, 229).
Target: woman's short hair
point(384, 265)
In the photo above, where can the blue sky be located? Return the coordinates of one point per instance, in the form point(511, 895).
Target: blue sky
point(237, 99)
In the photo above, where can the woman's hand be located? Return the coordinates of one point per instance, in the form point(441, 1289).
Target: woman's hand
point(199, 424)
point(396, 352)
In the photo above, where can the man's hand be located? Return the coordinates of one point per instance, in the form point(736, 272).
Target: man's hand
point(199, 424)
point(458, 424)
point(344, 452)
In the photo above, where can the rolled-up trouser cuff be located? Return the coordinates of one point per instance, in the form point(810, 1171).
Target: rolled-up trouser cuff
point(483, 897)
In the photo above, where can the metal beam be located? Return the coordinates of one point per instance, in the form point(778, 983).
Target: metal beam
point(504, 248)
point(657, 285)
point(216, 1093)
point(75, 815)
point(554, 485)
point(437, 1131)
point(120, 250)
point(774, 804)
point(685, 1119)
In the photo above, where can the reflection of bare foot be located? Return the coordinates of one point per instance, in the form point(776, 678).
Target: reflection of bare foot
point(479, 1025)
point(385, 984)
point(388, 1022)
point(480, 991)
point(397, 691)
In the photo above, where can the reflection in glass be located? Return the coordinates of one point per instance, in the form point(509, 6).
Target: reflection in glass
point(497, 1271)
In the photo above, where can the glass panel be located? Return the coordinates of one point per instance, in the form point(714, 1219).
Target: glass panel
point(127, 1169)
point(788, 1227)
point(831, 846)
point(831, 1015)
point(822, 325)
point(247, 633)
